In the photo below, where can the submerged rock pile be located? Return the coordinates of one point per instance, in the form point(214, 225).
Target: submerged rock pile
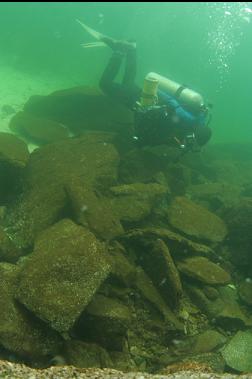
point(112, 256)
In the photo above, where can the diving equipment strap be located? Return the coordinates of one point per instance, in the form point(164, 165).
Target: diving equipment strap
point(179, 91)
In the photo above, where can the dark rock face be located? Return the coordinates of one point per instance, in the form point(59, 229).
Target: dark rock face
point(81, 109)
point(14, 156)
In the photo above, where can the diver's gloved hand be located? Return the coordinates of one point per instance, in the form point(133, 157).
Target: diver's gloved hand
point(119, 45)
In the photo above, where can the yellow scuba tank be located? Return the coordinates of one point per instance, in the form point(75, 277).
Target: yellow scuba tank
point(189, 98)
point(149, 92)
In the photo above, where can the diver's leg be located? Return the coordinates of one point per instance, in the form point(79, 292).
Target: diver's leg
point(130, 68)
point(106, 82)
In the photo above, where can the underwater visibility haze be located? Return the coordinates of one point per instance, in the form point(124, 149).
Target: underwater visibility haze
point(125, 206)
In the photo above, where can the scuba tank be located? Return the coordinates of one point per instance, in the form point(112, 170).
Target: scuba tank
point(189, 98)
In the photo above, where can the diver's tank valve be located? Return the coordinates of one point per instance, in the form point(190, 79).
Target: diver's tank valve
point(149, 92)
point(186, 96)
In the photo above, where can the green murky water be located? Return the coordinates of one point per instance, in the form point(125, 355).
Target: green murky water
point(204, 45)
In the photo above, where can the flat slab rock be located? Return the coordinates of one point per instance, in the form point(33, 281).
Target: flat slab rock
point(196, 221)
point(62, 275)
point(176, 241)
point(204, 270)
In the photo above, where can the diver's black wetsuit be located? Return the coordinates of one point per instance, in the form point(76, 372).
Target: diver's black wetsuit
point(165, 124)
point(126, 92)
point(152, 128)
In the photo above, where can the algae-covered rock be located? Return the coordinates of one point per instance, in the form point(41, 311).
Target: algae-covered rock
point(158, 263)
point(8, 251)
point(178, 244)
point(237, 353)
point(92, 211)
point(204, 270)
point(105, 321)
point(50, 169)
point(207, 341)
point(195, 220)
point(40, 130)
point(20, 332)
point(86, 355)
point(64, 272)
point(134, 202)
point(225, 310)
point(13, 151)
point(124, 271)
point(122, 361)
point(150, 293)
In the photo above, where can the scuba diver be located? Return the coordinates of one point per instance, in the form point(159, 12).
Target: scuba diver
point(165, 112)
point(160, 117)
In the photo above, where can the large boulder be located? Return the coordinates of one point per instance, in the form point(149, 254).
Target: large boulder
point(20, 332)
point(196, 221)
point(82, 108)
point(90, 158)
point(62, 275)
